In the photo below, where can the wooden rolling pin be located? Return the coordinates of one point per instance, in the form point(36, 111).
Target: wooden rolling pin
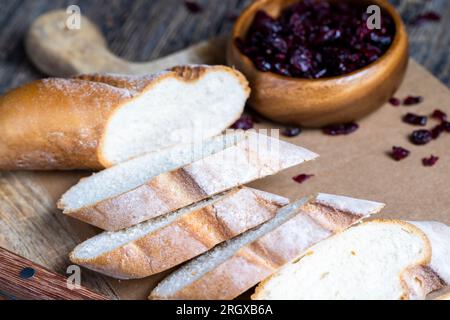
point(26, 280)
point(58, 51)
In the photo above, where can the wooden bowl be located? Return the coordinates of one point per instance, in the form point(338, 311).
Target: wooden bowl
point(320, 102)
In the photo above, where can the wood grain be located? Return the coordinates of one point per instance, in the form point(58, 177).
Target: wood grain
point(60, 52)
point(28, 208)
point(42, 285)
point(143, 30)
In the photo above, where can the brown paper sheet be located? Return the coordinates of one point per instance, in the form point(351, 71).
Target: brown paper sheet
point(356, 165)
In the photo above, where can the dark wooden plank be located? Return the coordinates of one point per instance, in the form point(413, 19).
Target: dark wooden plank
point(23, 279)
point(142, 30)
point(27, 207)
point(430, 42)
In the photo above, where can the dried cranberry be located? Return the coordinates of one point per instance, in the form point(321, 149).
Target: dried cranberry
point(245, 122)
point(415, 119)
point(262, 64)
point(316, 39)
point(425, 17)
point(265, 23)
point(411, 100)
point(193, 6)
point(302, 60)
point(439, 115)
point(437, 130)
point(282, 69)
point(280, 44)
point(429, 162)
point(302, 177)
point(340, 129)
point(399, 153)
point(394, 101)
point(421, 137)
point(329, 35)
point(371, 53)
point(291, 131)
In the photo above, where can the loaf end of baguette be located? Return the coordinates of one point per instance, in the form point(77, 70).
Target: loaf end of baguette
point(96, 121)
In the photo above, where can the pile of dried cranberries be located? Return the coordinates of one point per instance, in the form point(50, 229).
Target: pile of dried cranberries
point(316, 39)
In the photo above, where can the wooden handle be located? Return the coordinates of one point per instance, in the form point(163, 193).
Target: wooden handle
point(58, 51)
point(23, 279)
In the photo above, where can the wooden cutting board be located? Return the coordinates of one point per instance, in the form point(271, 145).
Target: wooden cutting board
point(356, 165)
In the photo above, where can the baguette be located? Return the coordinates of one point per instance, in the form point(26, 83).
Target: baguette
point(157, 245)
point(142, 192)
point(96, 121)
point(377, 260)
point(237, 265)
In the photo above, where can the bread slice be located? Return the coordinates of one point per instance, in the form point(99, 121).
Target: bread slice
point(162, 243)
point(423, 280)
point(369, 261)
point(141, 192)
point(445, 296)
point(136, 172)
point(439, 236)
point(95, 121)
point(237, 265)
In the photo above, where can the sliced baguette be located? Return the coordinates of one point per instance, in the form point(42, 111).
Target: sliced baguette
point(237, 265)
point(253, 157)
point(95, 121)
point(162, 243)
point(136, 172)
point(379, 259)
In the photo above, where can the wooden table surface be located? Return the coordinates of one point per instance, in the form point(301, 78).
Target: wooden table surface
point(142, 30)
